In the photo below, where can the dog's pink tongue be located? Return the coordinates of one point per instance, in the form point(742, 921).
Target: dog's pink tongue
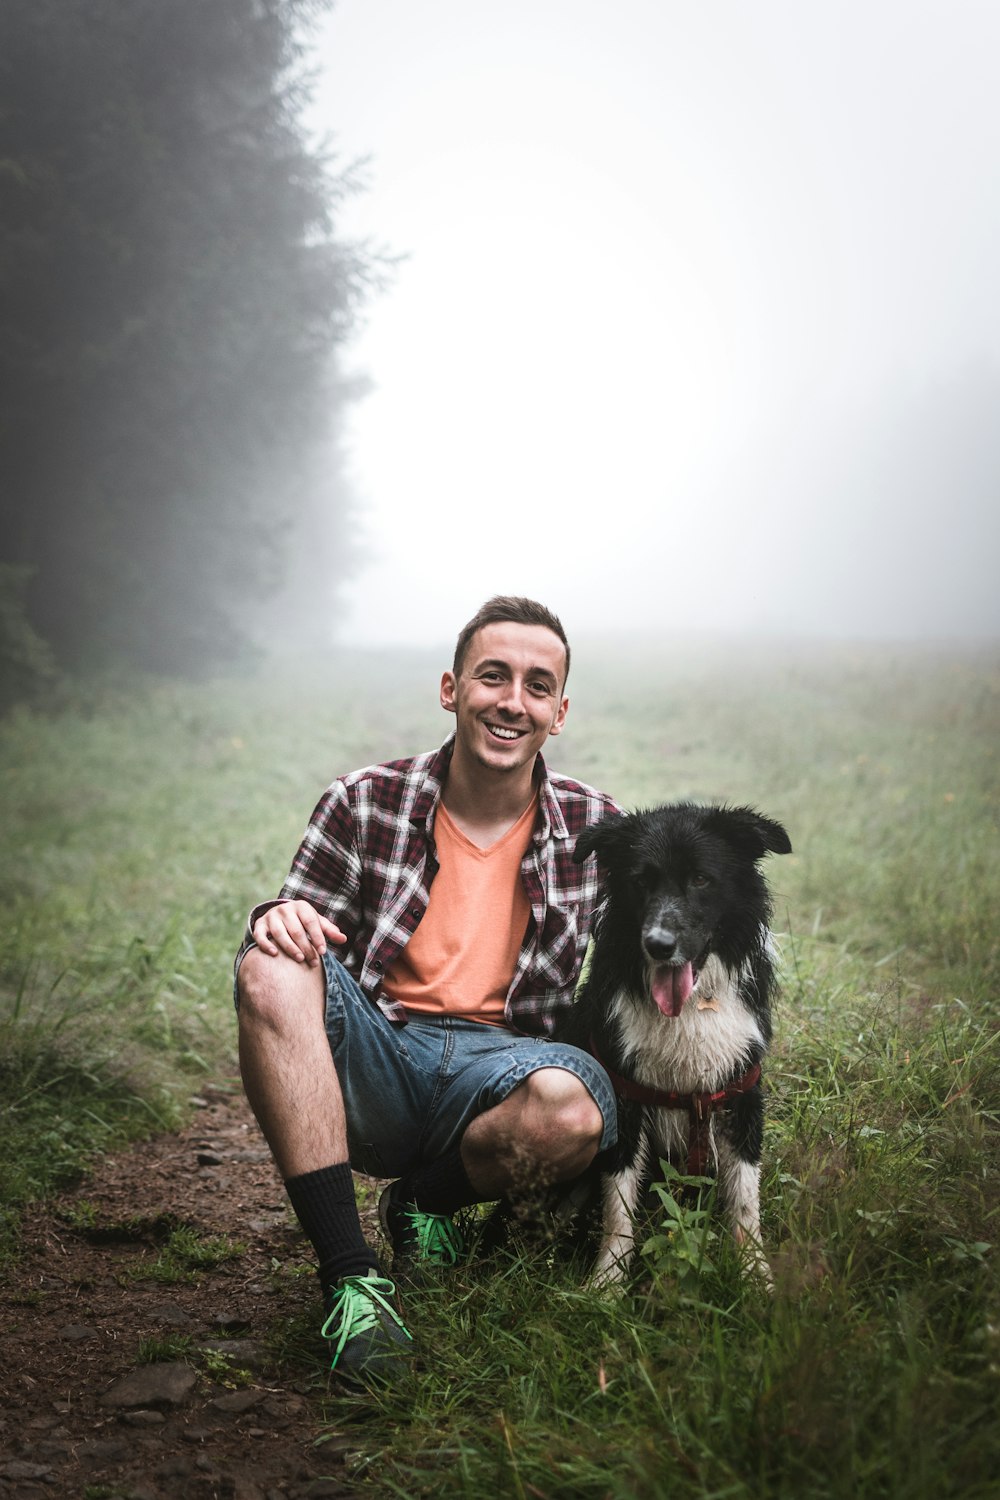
point(671, 987)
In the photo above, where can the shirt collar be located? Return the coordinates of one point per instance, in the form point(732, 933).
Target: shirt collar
point(551, 823)
point(426, 801)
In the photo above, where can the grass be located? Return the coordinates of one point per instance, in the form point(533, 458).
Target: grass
point(143, 821)
point(874, 1370)
point(185, 1253)
point(217, 1365)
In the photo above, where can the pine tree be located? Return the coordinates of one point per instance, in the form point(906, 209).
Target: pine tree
point(172, 300)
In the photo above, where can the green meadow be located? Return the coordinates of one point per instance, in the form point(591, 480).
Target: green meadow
point(140, 822)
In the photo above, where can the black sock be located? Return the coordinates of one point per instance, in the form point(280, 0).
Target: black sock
point(325, 1206)
point(441, 1187)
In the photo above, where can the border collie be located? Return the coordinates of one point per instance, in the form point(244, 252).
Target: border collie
point(676, 1006)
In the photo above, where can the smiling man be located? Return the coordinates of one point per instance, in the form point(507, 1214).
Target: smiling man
point(446, 888)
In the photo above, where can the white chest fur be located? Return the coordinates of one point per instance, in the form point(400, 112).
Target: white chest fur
point(696, 1051)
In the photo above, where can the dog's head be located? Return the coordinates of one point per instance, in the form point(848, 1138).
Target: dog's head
point(682, 883)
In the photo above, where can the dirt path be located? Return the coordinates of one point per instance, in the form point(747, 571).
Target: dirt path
point(230, 1404)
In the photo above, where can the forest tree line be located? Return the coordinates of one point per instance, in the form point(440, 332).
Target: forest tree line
point(173, 297)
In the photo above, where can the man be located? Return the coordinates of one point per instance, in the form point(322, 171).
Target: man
point(445, 884)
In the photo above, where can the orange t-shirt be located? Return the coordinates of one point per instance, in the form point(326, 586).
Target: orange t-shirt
point(461, 958)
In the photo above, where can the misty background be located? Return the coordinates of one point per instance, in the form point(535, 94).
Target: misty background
point(321, 324)
point(700, 323)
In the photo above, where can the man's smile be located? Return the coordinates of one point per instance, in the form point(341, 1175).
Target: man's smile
point(504, 731)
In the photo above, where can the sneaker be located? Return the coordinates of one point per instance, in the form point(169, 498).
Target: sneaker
point(418, 1238)
point(364, 1328)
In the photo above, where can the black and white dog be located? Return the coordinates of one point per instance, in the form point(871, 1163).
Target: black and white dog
point(676, 1006)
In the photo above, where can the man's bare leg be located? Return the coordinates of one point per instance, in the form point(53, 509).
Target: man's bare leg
point(285, 1060)
point(292, 1085)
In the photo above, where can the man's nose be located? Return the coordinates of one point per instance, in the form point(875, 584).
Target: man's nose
point(511, 699)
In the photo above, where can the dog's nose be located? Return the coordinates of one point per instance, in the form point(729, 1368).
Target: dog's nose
point(661, 943)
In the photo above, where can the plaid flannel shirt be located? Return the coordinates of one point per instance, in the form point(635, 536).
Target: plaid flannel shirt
point(367, 861)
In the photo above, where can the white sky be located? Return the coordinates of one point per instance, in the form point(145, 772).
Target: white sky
point(699, 324)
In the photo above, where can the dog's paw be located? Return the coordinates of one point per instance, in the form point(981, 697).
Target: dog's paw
point(607, 1288)
point(607, 1279)
point(753, 1262)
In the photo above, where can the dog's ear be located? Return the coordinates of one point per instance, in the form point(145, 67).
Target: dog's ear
point(597, 838)
point(750, 831)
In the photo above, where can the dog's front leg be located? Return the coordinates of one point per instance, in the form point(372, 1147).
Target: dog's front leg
point(619, 1200)
point(620, 1193)
point(739, 1190)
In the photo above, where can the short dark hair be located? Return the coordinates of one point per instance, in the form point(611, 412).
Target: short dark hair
point(510, 609)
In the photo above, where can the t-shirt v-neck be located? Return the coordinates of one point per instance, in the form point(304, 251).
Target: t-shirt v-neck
point(461, 958)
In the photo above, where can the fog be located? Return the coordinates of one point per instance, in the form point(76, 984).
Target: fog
point(697, 325)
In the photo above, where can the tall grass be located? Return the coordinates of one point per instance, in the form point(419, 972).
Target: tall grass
point(139, 827)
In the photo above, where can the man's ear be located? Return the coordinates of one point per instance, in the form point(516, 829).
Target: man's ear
point(560, 717)
point(448, 692)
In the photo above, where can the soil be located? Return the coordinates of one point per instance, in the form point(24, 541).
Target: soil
point(119, 1380)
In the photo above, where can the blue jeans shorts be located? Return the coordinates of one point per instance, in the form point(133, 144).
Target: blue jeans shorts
point(410, 1091)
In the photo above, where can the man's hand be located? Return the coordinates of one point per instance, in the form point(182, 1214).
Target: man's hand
point(296, 929)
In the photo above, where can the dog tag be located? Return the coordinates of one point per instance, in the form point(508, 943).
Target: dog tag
point(708, 1004)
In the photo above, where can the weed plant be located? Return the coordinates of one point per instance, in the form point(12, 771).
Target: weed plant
point(185, 1254)
point(214, 1363)
point(141, 823)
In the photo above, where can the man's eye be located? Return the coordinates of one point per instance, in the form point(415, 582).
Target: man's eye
point(541, 688)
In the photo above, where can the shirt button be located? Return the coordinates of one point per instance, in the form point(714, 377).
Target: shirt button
point(377, 967)
point(415, 911)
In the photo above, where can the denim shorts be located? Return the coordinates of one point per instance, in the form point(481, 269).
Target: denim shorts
point(410, 1091)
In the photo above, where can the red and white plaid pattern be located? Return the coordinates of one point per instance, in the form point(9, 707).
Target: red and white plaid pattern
point(367, 860)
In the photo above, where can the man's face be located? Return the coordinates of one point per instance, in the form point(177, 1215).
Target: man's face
point(508, 697)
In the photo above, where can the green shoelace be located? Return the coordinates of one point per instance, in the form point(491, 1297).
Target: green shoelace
point(439, 1240)
point(358, 1305)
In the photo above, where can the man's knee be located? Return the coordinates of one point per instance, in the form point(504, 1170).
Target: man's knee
point(277, 991)
point(551, 1116)
point(565, 1105)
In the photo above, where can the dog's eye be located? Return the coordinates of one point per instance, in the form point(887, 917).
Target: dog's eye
point(699, 882)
